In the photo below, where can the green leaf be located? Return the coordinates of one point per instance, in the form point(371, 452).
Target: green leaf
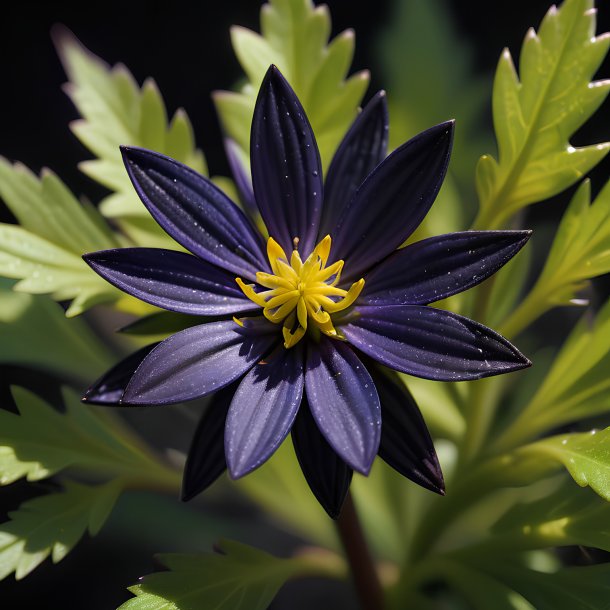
point(52, 525)
point(238, 577)
point(535, 113)
point(117, 112)
point(295, 38)
point(45, 251)
point(40, 442)
point(585, 455)
point(32, 328)
point(585, 588)
point(575, 388)
point(580, 252)
point(569, 516)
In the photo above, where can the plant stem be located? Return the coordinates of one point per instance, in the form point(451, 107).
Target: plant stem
point(366, 579)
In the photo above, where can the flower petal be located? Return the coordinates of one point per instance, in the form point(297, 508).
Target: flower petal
point(406, 444)
point(109, 388)
point(171, 280)
point(196, 213)
point(206, 456)
point(436, 268)
point(327, 475)
point(263, 410)
point(196, 362)
point(431, 343)
point(362, 149)
point(344, 402)
point(286, 168)
point(392, 201)
point(242, 178)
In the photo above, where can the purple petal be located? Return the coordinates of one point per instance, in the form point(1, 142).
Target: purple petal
point(206, 457)
point(344, 402)
point(286, 168)
point(405, 441)
point(171, 280)
point(242, 178)
point(109, 388)
point(263, 410)
point(327, 475)
point(362, 149)
point(392, 201)
point(436, 268)
point(195, 212)
point(431, 343)
point(196, 362)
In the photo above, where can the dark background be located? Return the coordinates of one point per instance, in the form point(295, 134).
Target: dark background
point(185, 47)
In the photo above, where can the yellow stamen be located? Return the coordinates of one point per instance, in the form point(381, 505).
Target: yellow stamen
point(301, 292)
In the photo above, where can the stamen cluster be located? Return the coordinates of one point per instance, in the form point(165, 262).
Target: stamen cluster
point(299, 291)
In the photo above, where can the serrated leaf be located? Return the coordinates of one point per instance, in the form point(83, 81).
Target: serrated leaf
point(295, 38)
point(238, 577)
point(40, 441)
point(32, 328)
point(580, 252)
point(536, 113)
point(575, 388)
point(52, 525)
point(45, 251)
point(117, 112)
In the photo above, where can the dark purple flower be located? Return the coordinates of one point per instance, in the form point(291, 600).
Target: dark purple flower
point(328, 291)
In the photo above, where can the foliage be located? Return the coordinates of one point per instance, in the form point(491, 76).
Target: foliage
point(294, 37)
point(537, 112)
point(52, 525)
point(237, 576)
point(516, 451)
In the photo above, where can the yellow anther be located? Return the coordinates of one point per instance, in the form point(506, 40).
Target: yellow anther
point(301, 291)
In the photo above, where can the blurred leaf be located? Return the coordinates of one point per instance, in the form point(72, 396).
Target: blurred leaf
point(237, 577)
point(280, 488)
point(536, 114)
point(569, 516)
point(45, 251)
point(52, 525)
point(585, 455)
point(117, 112)
point(429, 72)
point(35, 333)
point(580, 251)
point(575, 388)
point(295, 38)
point(41, 441)
point(585, 588)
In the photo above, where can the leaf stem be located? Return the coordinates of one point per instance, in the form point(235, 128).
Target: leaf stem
point(364, 572)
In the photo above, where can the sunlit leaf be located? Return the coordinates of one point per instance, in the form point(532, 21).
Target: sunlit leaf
point(33, 327)
point(52, 525)
point(294, 36)
point(237, 577)
point(576, 386)
point(45, 251)
point(538, 111)
point(580, 252)
point(40, 442)
point(116, 111)
point(585, 455)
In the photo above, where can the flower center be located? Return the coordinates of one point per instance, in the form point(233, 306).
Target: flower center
point(299, 293)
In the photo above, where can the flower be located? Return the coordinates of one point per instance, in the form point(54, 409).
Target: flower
point(302, 320)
